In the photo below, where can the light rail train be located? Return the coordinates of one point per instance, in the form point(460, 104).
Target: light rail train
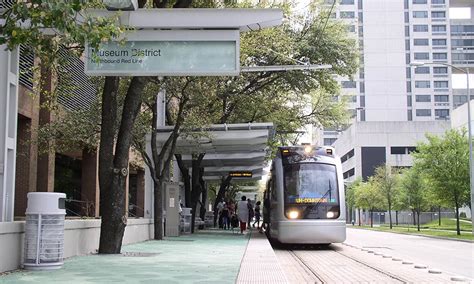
point(304, 200)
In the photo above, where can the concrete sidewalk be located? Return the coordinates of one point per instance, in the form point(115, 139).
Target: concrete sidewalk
point(212, 256)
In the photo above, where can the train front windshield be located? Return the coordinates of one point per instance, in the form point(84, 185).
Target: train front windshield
point(312, 189)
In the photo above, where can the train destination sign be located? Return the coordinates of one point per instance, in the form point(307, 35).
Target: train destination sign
point(245, 174)
point(201, 54)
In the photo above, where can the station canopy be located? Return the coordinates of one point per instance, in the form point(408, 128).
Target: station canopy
point(228, 148)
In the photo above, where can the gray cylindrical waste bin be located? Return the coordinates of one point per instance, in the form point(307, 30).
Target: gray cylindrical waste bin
point(44, 230)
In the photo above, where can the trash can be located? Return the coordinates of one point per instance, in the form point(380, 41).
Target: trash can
point(44, 230)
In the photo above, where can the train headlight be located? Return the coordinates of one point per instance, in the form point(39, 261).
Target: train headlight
point(293, 214)
point(308, 150)
point(330, 214)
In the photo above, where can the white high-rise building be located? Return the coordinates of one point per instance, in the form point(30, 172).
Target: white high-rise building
point(393, 33)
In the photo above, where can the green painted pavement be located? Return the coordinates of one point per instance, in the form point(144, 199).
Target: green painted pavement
point(205, 257)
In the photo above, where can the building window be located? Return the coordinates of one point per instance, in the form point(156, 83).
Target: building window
point(422, 55)
point(409, 102)
point(420, 41)
point(420, 14)
point(347, 156)
point(441, 98)
point(441, 84)
point(362, 101)
point(423, 112)
point(438, 14)
point(440, 56)
point(438, 28)
point(348, 84)
point(346, 2)
point(439, 42)
point(347, 15)
point(407, 17)
point(408, 71)
point(351, 28)
point(423, 98)
point(398, 150)
point(420, 28)
point(362, 87)
point(437, 1)
point(442, 113)
point(420, 1)
point(349, 173)
point(407, 31)
point(440, 70)
point(408, 86)
point(458, 100)
point(410, 115)
point(422, 70)
point(422, 84)
point(329, 141)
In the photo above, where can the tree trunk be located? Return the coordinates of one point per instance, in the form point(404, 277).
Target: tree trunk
point(396, 217)
point(158, 212)
point(220, 194)
point(114, 216)
point(371, 218)
point(439, 215)
point(418, 217)
point(195, 188)
point(458, 228)
point(203, 195)
point(111, 223)
point(358, 210)
point(414, 217)
point(186, 180)
point(390, 214)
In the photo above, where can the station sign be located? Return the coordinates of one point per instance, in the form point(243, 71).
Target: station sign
point(167, 53)
point(245, 174)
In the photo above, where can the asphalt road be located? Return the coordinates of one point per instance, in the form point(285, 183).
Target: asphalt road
point(450, 256)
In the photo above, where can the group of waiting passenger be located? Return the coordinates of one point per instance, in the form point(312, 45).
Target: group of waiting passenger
point(232, 215)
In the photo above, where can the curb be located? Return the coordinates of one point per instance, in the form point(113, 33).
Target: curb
point(419, 235)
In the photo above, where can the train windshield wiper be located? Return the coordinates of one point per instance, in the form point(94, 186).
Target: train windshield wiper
point(315, 206)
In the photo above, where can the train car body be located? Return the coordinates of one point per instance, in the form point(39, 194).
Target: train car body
point(304, 200)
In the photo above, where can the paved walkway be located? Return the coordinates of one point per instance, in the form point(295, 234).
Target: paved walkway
point(205, 257)
point(260, 264)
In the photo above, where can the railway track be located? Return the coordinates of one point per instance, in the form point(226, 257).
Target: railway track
point(340, 264)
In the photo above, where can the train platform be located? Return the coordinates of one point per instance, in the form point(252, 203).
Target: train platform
point(217, 256)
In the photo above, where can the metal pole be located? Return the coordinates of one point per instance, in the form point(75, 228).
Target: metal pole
point(471, 181)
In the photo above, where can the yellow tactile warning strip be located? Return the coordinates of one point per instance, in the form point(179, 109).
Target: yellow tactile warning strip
point(259, 264)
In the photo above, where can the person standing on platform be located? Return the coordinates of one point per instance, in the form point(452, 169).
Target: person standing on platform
point(257, 214)
point(225, 217)
point(219, 207)
point(251, 213)
point(243, 213)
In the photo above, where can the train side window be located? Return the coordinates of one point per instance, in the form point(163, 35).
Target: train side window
point(273, 190)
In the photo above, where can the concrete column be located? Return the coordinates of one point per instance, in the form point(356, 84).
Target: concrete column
point(90, 181)
point(46, 161)
point(8, 130)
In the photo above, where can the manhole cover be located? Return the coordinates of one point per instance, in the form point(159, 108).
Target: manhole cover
point(139, 254)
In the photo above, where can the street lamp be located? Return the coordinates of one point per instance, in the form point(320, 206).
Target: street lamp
point(465, 71)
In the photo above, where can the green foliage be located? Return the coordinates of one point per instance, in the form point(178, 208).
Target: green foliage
point(351, 192)
point(414, 190)
point(368, 196)
point(47, 26)
point(445, 161)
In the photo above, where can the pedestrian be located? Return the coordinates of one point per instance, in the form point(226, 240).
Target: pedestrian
point(243, 213)
point(219, 207)
point(257, 214)
point(225, 217)
point(251, 213)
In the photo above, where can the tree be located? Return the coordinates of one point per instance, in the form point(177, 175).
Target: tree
point(368, 196)
point(414, 191)
point(350, 196)
point(386, 181)
point(445, 160)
